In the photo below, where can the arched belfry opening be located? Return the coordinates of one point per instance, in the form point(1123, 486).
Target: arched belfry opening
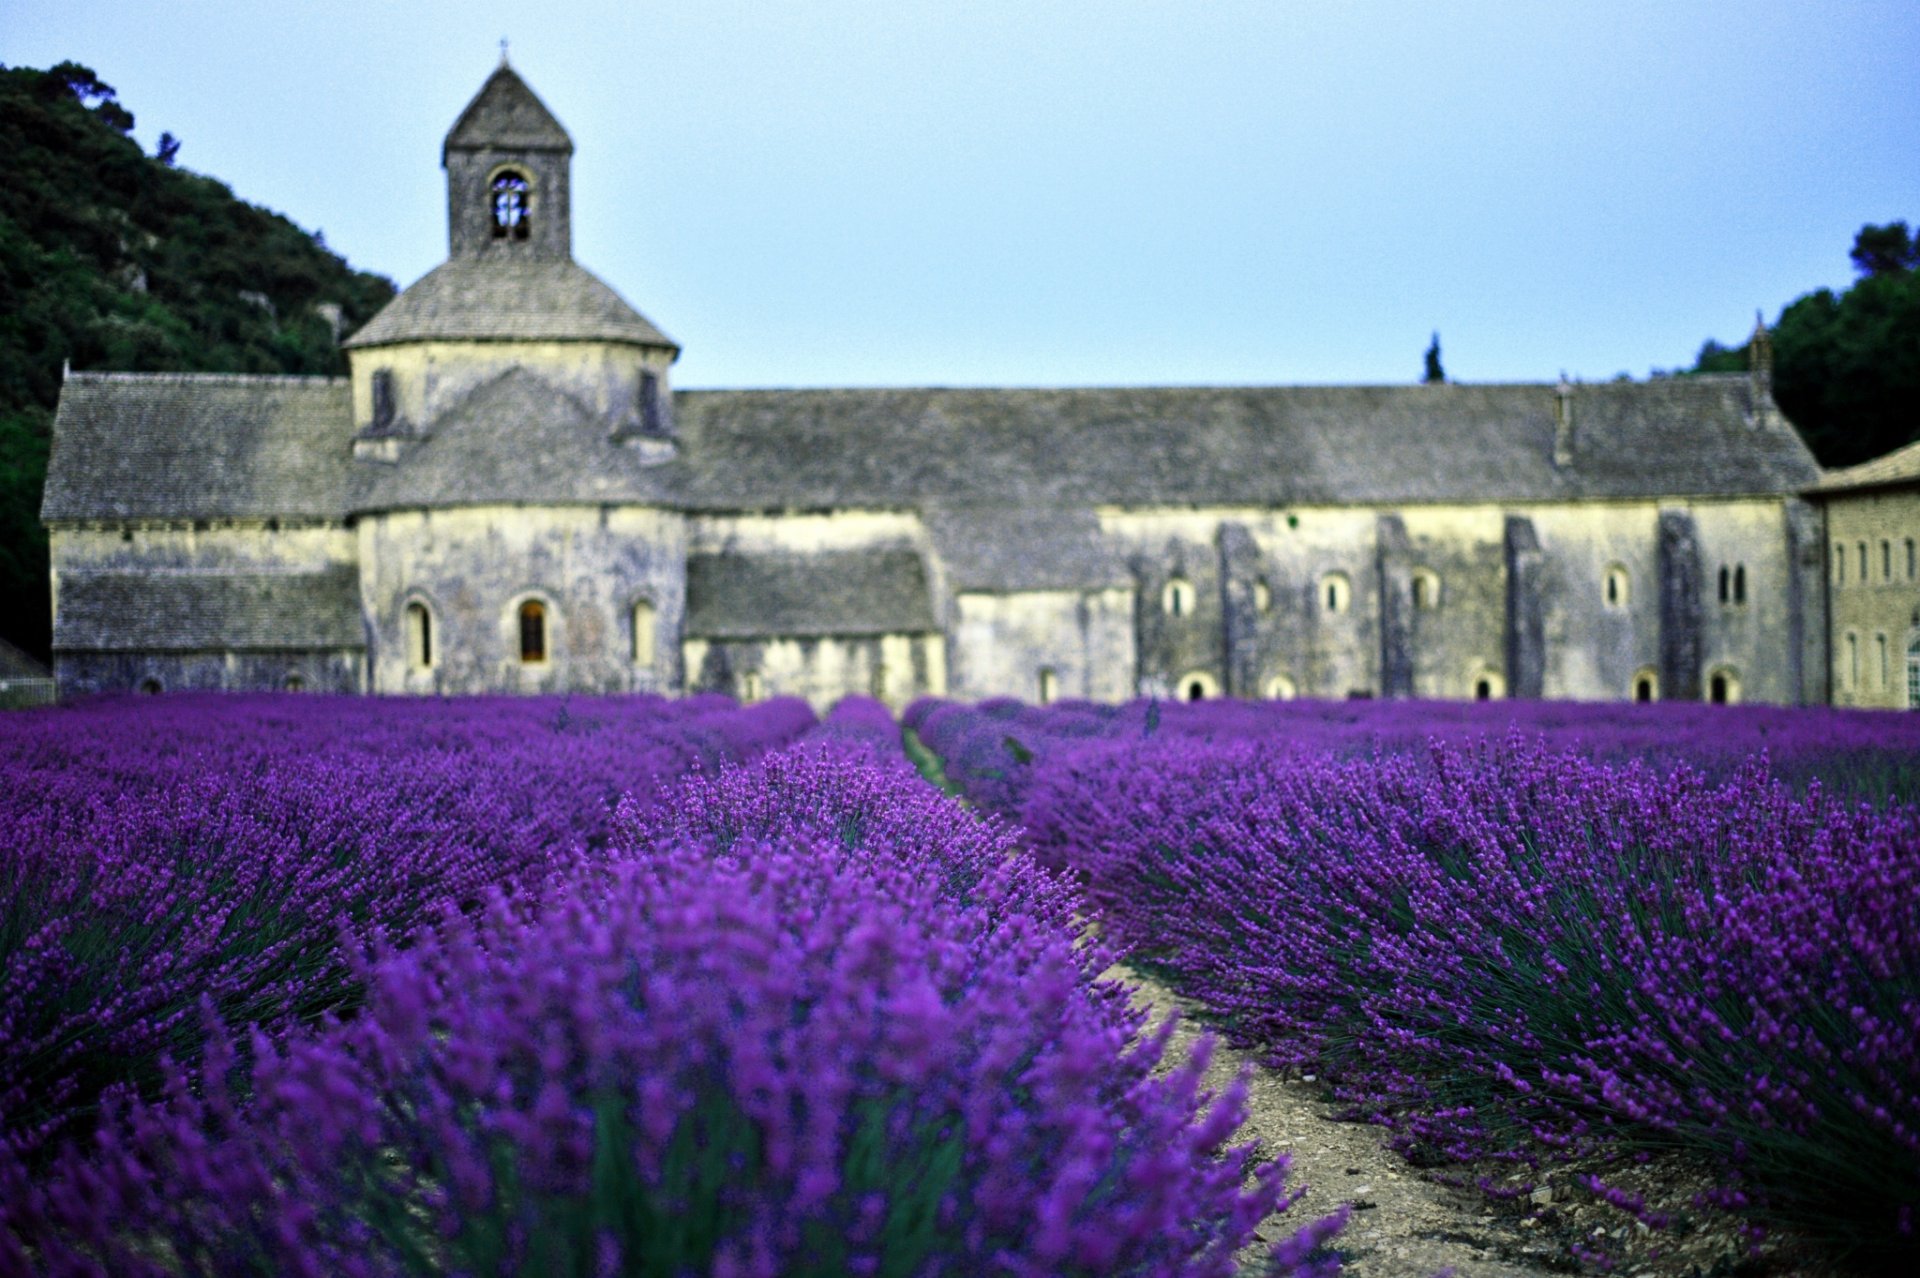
point(510, 197)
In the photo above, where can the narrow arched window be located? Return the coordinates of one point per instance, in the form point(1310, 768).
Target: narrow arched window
point(1723, 687)
point(1646, 687)
point(533, 631)
point(1335, 592)
point(419, 637)
point(512, 205)
point(1426, 589)
point(643, 633)
point(1881, 669)
point(1851, 672)
point(1739, 583)
point(752, 688)
point(1262, 596)
point(384, 410)
point(1886, 560)
point(1839, 565)
point(1726, 584)
point(1483, 689)
point(1617, 586)
point(1911, 562)
point(1178, 597)
point(1049, 685)
point(1863, 563)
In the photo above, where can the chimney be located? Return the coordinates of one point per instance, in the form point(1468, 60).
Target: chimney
point(1563, 423)
point(1760, 368)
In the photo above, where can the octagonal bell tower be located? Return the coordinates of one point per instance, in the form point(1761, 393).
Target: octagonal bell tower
point(507, 162)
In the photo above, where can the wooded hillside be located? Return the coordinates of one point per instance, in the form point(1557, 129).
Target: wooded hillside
point(114, 259)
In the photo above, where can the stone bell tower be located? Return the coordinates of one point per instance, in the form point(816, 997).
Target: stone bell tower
point(507, 162)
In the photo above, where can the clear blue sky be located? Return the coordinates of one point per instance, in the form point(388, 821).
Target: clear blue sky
point(1045, 192)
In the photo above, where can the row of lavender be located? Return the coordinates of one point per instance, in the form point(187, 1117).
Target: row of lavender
point(1508, 950)
point(379, 989)
point(158, 853)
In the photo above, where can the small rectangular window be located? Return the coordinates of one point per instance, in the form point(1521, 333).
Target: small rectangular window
point(1886, 560)
point(1880, 659)
point(1863, 563)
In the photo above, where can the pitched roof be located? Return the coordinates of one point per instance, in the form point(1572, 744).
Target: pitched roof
point(208, 612)
point(509, 116)
point(199, 445)
point(852, 592)
point(1214, 446)
point(1901, 466)
point(502, 300)
point(515, 438)
point(15, 664)
point(1024, 548)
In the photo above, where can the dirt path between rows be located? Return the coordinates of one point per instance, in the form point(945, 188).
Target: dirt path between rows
point(1405, 1225)
point(1402, 1226)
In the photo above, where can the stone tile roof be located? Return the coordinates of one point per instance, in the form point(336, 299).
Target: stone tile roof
point(498, 300)
point(1024, 548)
point(515, 438)
point(762, 596)
point(1899, 467)
point(508, 115)
point(207, 612)
point(15, 664)
point(1213, 446)
point(197, 445)
point(190, 446)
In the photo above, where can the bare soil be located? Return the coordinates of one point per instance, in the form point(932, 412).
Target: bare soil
point(1407, 1223)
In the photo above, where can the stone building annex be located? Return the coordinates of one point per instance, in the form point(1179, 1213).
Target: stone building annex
point(505, 495)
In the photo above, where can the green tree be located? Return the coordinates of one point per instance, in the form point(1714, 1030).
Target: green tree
point(113, 259)
point(1846, 366)
point(1434, 372)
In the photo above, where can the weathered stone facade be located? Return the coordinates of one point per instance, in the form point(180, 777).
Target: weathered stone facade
point(505, 496)
point(1873, 580)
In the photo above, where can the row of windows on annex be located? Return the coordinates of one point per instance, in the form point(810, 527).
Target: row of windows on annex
point(1893, 562)
point(1723, 684)
point(1866, 665)
point(532, 627)
point(1334, 593)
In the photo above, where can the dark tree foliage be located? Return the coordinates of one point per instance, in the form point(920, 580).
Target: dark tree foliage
point(113, 259)
point(1885, 250)
point(1434, 372)
point(1846, 367)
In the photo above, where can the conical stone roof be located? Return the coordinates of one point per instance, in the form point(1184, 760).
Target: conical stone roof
point(506, 115)
point(492, 300)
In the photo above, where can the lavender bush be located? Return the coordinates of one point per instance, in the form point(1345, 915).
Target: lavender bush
point(1515, 952)
point(160, 853)
point(808, 1018)
point(991, 750)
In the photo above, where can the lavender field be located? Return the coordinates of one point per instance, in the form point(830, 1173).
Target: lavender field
point(303, 985)
point(329, 986)
point(1522, 936)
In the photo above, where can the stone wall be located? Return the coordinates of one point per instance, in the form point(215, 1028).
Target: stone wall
point(339, 670)
point(1880, 612)
point(473, 567)
point(1000, 643)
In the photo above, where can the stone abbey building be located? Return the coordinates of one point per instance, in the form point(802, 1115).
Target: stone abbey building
point(506, 495)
